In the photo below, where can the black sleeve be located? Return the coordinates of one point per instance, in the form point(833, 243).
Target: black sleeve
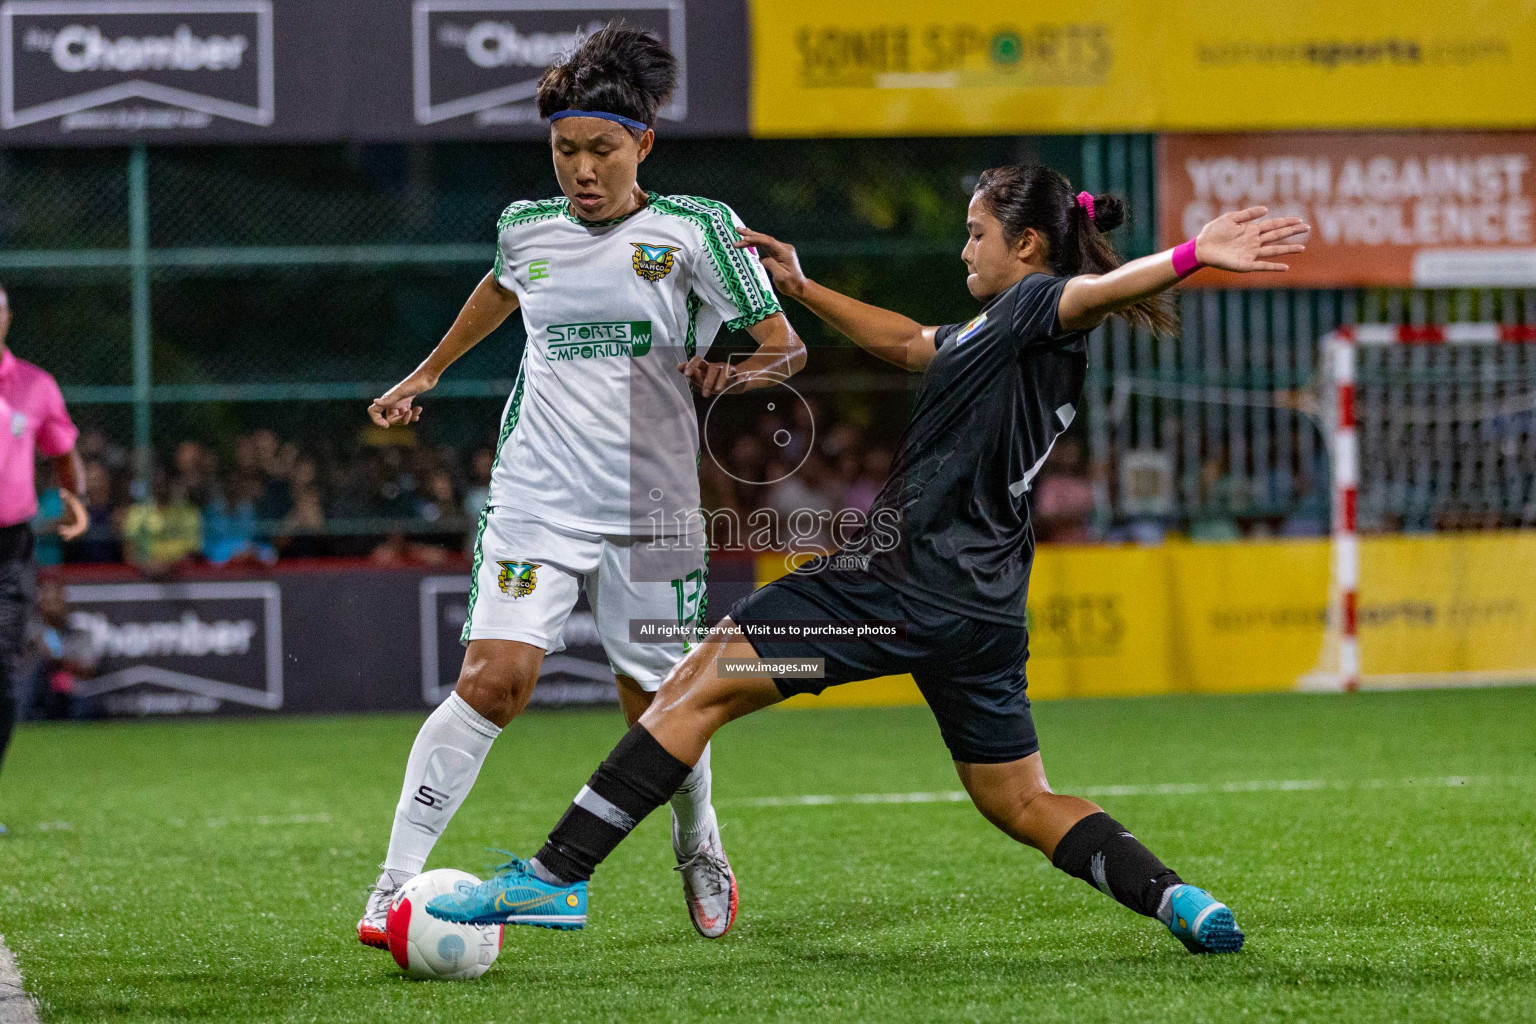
point(1035, 303)
point(943, 334)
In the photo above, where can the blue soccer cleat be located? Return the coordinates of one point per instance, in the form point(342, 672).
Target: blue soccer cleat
point(1201, 923)
point(514, 895)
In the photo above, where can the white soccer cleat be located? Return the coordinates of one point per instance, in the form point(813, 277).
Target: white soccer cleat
point(709, 885)
point(371, 927)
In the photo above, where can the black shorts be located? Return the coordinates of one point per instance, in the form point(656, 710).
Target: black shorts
point(16, 595)
point(970, 672)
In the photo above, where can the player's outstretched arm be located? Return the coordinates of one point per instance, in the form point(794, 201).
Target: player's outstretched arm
point(488, 307)
point(1241, 241)
point(891, 336)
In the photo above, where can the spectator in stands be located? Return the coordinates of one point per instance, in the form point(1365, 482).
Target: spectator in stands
point(229, 524)
point(748, 464)
point(162, 533)
point(48, 546)
point(1063, 503)
point(274, 464)
point(478, 493)
point(1218, 499)
point(874, 467)
point(803, 502)
point(94, 446)
point(721, 504)
point(347, 484)
point(196, 469)
point(61, 655)
point(303, 528)
point(394, 487)
point(438, 501)
point(100, 542)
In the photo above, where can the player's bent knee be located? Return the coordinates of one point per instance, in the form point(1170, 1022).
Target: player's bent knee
point(497, 684)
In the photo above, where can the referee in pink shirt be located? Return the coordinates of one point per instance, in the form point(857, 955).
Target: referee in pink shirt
point(33, 421)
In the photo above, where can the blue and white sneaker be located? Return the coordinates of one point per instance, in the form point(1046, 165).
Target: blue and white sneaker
point(1198, 921)
point(515, 895)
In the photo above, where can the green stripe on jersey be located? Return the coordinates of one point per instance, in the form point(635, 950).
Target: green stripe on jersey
point(524, 211)
point(691, 342)
point(720, 216)
point(508, 424)
point(731, 264)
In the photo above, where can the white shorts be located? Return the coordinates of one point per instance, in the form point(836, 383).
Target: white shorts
point(528, 573)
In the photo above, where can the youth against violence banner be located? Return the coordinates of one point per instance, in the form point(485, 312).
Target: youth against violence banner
point(1431, 210)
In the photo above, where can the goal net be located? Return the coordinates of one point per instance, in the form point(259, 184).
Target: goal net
point(1429, 429)
point(1420, 439)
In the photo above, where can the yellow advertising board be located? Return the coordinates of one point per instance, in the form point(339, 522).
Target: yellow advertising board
point(914, 67)
point(1245, 617)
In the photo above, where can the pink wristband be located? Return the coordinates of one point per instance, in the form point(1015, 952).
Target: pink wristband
point(1184, 260)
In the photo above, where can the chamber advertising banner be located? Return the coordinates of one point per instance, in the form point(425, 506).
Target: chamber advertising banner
point(108, 72)
point(1430, 210)
point(94, 72)
point(470, 69)
point(311, 637)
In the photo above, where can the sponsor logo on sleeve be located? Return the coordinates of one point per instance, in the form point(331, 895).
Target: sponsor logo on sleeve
point(970, 329)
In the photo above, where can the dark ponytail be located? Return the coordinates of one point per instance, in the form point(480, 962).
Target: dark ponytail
point(1024, 196)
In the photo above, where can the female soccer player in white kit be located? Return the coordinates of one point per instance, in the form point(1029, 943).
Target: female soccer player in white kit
point(595, 482)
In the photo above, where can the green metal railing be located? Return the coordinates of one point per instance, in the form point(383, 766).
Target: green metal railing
point(853, 255)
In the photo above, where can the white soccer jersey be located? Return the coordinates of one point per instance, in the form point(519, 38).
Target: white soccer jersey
point(599, 433)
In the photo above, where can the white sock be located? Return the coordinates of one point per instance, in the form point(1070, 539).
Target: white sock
point(444, 762)
point(692, 812)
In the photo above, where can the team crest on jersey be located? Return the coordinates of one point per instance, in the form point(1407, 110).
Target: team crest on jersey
point(518, 578)
point(653, 262)
point(970, 329)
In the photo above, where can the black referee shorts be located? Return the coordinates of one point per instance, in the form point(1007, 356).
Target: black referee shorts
point(970, 672)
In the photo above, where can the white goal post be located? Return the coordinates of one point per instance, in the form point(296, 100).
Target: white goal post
point(1434, 422)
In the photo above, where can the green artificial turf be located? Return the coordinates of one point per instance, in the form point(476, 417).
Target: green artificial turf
point(215, 870)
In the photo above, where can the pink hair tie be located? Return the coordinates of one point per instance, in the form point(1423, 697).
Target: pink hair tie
point(1085, 200)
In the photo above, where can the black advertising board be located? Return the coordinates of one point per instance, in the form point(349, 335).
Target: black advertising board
point(474, 66)
point(181, 647)
point(318, 638)
point(108, 72)
point(105, 72)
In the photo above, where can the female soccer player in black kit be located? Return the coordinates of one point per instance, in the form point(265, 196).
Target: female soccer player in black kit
point(948, 552)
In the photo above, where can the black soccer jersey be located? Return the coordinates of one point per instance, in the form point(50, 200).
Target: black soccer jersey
point(951, 526)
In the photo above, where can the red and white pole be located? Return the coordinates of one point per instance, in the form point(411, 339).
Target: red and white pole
point(1346, 483)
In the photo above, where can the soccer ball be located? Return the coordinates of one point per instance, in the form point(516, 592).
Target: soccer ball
point(428, 948)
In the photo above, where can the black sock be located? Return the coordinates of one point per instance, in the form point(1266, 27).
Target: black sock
point(638, 777)
point(1102, 853)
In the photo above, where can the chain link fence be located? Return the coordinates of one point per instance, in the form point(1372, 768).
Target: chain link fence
point(208, 294)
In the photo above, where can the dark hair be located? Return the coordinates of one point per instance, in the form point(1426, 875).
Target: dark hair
point(619, 70)
point(1031, 196)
